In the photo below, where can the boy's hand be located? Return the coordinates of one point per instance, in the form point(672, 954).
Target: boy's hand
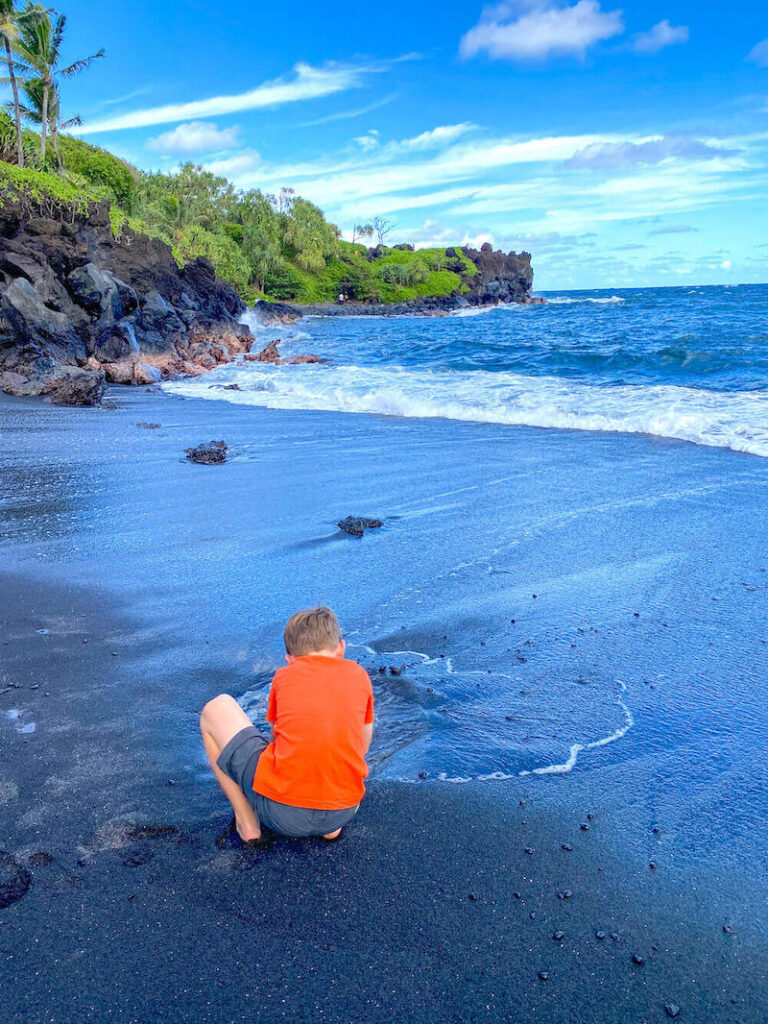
point(367, 736)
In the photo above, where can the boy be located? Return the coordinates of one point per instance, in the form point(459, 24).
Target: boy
point(309, 780)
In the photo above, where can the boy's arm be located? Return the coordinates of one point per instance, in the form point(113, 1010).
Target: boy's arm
point(367, 736)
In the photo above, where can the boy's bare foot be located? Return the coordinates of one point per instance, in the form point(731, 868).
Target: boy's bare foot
point(248, 831)
point(333, 835)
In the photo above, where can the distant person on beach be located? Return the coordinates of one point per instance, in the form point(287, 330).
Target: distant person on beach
point(341, 296)
point(309, 780)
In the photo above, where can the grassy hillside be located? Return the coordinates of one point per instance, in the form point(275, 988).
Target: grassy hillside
point(279, 247)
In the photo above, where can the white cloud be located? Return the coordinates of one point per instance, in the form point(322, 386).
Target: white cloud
point(662, 34)
point(368, 141)
point(194, 137)
point(236, 165)
point(436, 137)
point(726, 264)
point(759, 54)
point(307, 83)
point(537, 29)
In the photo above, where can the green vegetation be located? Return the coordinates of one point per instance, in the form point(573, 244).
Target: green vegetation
point(281, 247)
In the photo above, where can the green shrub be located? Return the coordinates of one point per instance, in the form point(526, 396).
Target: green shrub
point(99, 167)
point(227, 257)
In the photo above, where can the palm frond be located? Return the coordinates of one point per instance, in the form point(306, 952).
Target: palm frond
point(80, 65)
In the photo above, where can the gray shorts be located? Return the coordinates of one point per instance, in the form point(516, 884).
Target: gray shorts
point(238, 760)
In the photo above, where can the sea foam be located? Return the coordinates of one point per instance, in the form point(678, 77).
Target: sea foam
point(737, 420)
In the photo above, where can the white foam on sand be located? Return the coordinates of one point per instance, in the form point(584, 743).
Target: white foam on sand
point(577, 748)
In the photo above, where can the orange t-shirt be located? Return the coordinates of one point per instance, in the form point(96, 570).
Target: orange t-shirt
point(318, 706)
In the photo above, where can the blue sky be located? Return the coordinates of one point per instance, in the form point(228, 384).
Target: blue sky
point(621, 143)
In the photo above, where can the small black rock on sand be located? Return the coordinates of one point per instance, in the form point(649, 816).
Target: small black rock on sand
point(357, 525)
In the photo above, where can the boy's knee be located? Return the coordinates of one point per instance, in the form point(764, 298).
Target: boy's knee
point(215, 706)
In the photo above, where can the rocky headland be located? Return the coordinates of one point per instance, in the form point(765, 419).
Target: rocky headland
point(499, 278)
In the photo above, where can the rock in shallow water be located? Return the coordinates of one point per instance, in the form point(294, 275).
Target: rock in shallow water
point(211, 454)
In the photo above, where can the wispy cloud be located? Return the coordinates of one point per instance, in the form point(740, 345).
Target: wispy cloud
point(759, 54)
point(537, 29)
point(306, 83)
point(194, 137)
point(673, 229)
point(612, 155)
point(662, 34)
point(346, 115)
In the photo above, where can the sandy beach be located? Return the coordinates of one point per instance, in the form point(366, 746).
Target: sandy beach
point(136, 585)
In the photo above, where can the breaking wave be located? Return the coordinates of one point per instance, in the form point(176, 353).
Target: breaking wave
point(737, 420)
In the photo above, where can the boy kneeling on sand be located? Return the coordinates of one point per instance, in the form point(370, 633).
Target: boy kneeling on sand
point(309, 780)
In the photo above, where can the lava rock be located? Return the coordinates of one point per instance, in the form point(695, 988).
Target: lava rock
point(211, 454)
point(15, 880)
point(637, 959)
point(672, 1009)
point(544, 975)
point(558, 936)
point(356, 525)
point(600, 936)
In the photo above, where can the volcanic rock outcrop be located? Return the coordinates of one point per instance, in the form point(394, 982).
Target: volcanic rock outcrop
point(81, 307)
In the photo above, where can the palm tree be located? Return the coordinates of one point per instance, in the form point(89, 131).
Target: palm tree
point(38, 50)
point(11, 22)
point(33, 111)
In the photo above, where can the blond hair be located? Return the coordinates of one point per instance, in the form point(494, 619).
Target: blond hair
point(310, 630)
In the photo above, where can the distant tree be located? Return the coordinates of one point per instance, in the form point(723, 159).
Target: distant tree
point(283, 202)
point(361, 231)
point(11, 22)
point(38, 52)
point(382, 226)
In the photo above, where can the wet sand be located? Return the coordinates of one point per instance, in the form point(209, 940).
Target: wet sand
point(127, 897)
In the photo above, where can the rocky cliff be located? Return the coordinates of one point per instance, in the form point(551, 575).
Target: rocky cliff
point(80, 307)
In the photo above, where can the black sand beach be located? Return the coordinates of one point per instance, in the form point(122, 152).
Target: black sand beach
point(135, 586)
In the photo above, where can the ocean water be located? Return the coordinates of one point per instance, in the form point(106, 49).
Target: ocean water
point(683, 363)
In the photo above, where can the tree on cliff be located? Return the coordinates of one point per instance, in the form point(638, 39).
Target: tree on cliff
point(11, 22)
point(361, 231)
point(383, 227)
point(38, 52)
point(33, 87)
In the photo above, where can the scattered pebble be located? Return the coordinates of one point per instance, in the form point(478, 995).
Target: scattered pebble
point(729, 929)
point(558, 936)
point(656, 830)
point(672, 1009)
point(422, 775)
point(637, 959)
point(565, 895)
point(529, 850)
point(567, 847)
point(473, 897)
point(544, 975)
point(614, 937)
point(600, 935)
point(171, 782)
point(516, 894)
point(584, 826)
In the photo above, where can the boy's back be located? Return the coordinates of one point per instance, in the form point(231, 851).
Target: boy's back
point(318, 706)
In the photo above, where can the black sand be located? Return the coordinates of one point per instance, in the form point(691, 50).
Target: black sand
point(141, 906)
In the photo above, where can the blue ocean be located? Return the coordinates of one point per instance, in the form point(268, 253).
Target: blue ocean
point(684, 363)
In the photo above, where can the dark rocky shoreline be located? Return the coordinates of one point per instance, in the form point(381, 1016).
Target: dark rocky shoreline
point(82, 307)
